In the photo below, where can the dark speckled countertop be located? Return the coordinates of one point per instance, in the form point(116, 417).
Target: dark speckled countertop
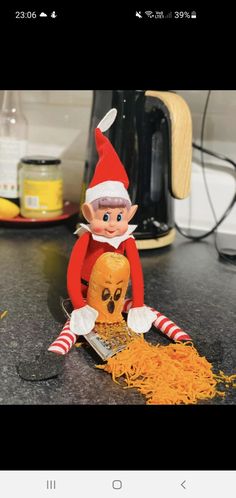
point(186, 282)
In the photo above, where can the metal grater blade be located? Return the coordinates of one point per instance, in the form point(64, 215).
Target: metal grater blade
point(102, 347)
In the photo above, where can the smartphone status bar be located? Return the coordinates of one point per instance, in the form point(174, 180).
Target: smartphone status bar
point(164, 14)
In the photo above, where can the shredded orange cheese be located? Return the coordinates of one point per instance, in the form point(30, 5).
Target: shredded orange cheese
point(2, 314)
point(173, 374)
point(78, 344)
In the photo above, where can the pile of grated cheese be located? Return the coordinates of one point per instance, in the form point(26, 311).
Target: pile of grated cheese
point(166, 375)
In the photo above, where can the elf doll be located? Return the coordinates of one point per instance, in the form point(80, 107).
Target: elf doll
point(108, 211)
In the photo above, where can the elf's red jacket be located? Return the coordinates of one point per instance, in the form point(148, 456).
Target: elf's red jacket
point(85, 253)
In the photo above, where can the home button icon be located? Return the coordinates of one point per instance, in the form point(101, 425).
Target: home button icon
point(117, 484)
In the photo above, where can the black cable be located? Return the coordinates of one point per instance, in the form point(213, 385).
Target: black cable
point(230, 258)
point(210, 232)
point(226, 213)
point(202, 156)
point(215, 154)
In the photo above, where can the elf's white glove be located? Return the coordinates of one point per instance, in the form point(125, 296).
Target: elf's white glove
point(140, 319)
point(82, 321)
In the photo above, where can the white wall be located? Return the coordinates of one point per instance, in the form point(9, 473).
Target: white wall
point(58, 125)
point(220, 136)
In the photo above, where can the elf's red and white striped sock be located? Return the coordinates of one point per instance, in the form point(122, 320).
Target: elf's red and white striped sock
point(65, 340)
point(163, 323)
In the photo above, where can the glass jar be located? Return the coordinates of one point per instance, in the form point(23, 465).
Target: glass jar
point(13, 144)
point(41, 187)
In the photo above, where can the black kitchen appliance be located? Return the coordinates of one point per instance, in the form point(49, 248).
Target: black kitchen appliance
point(144, 135)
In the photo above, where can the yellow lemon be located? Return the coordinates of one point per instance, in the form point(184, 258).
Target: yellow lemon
point(8, 209)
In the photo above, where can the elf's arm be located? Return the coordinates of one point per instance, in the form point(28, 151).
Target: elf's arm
point(74, 270)
point(140, 318)
point(83, 317)
point(136, 273)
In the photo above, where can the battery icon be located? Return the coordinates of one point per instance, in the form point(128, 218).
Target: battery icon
point(193, 14)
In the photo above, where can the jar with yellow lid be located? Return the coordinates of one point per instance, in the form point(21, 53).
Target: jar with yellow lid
point(41, 187)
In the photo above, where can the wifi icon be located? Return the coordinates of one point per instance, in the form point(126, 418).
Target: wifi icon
point(149, 13)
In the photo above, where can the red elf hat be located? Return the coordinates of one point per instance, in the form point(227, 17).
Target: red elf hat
point(110, 178)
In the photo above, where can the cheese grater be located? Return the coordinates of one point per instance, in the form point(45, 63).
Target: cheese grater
point(105, 348)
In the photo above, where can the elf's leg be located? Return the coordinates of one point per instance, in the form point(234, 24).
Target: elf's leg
point(64, 341)
point(67, 338)
point(163, 323)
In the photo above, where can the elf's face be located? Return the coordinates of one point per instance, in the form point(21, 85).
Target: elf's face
point(109, 221)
